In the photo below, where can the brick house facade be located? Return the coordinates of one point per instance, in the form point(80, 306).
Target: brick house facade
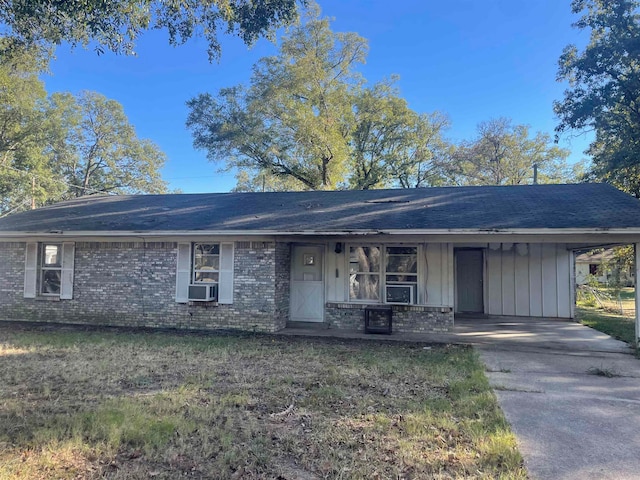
point(131, 284)
point(261, 261)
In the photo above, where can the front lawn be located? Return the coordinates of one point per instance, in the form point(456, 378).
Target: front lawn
point(617, 326)
point(109, 404)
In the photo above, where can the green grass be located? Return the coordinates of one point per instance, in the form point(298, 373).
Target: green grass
point(608, 299)
point(104, 404)
point(622, 328)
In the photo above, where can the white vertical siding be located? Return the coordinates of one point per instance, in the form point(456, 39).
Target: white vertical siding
point(563, 269)
point(335, 263)
point(508, 280)
point(528, 280)
point(549, 281)
point(522, 287)
point(450, 279)
point(435, 272)
point(494, 281)
point(535, 279)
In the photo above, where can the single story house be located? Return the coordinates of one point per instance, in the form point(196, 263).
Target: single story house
point(260, 261)
point(600, 265)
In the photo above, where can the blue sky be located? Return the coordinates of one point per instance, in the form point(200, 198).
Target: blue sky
point(473, 60)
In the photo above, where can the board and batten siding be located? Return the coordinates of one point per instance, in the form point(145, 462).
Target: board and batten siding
point(528, 280)
point(435, 271)
point(438, 274)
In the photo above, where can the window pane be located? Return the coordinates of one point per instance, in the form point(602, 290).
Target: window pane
point(200, 276)
point(402, 250)
point(402, 278)
point(206, 249)
point(207, 262)
point(402, 263)
point(51, 255)
point(364, 287)
point(51, 281)
point(364, 259)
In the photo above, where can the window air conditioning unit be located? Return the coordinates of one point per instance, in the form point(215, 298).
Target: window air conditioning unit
point(203, 293)
point(400, 294)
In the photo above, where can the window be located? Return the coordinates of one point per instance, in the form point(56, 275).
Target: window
point(50, 268)
point(206, 263)
point(398, 279)
point(593, 269)
point(401, 274)
point(364, 273)
point(204, 270)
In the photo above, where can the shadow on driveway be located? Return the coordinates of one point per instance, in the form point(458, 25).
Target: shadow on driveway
point(571, 394)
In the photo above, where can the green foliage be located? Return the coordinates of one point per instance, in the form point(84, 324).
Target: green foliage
point(265, 181)
point(604, 89)
point(115, 26)
point(620, 262)
point(63, 146)
point(101, 152)
point(505, 154)
point(25, 130)
point(294, 120)
point(308, 122)
point(393, 145)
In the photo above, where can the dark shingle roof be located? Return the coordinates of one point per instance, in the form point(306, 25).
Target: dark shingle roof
point(590, 206)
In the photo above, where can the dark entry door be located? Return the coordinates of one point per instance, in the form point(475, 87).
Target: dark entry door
point(469, 273)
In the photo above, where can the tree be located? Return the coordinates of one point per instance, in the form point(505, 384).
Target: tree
point(264, 181)
point(25, 131)
point(604, 86)
point(504, 154)
point(308, 121)
point(295, 119)
point(101, 152)
point(116, 25)
point(392, 144)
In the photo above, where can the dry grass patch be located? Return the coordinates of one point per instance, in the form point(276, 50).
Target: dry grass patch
point(96, 404)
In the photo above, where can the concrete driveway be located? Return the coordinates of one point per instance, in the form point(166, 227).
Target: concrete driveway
point(571, 420)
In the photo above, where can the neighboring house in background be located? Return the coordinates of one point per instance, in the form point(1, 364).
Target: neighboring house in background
point(599, 265)
point(258, 261)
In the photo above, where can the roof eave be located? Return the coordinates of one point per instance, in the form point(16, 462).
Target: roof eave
point(229, 233)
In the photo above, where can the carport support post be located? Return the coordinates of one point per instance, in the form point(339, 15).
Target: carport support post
point(636, 255)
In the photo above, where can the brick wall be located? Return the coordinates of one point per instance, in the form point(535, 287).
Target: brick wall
point(133, 284)
point(406, 319)
point(282, 284)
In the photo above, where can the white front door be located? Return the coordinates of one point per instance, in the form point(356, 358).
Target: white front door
point(307, 285)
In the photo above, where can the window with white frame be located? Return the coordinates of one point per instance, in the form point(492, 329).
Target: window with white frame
point(401, 274)
point(383, 274)
point(206, 263)
point(50, 268)
point(204, 271)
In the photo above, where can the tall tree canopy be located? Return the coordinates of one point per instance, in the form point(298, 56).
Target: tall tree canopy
point(394, 146)
point(308, 117)
point(26, 131)
point(101, 151)
point(504, 154)
point(604, 88)
point(115, 25)
point(62, 146)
